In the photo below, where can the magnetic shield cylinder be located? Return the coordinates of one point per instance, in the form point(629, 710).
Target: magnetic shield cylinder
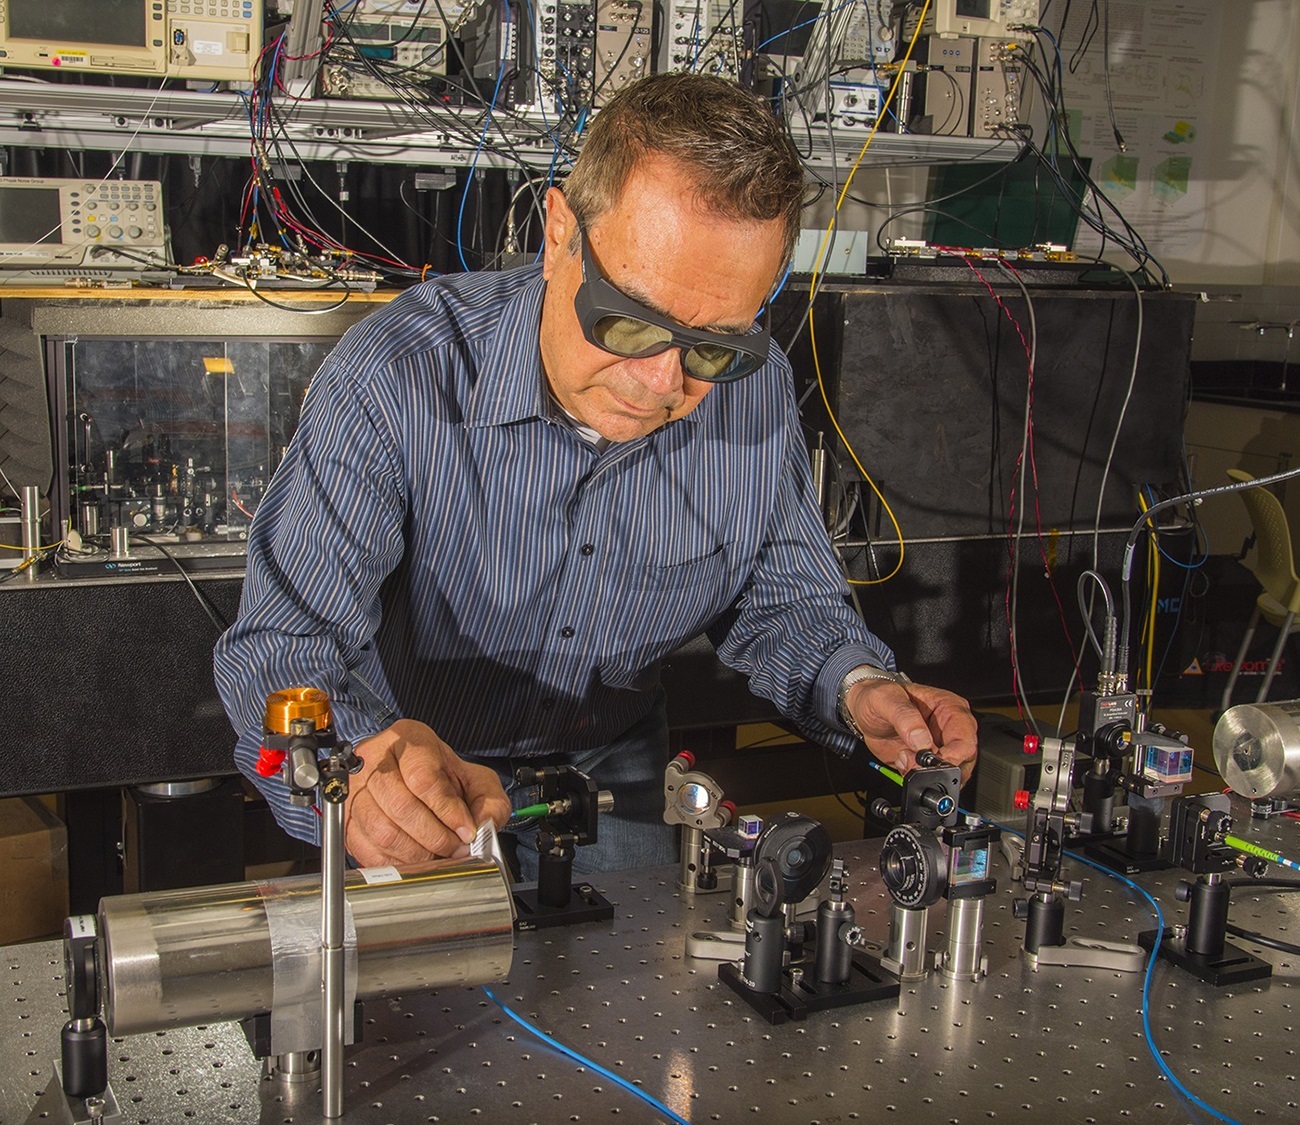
point(206, 954)
point(1257, 748)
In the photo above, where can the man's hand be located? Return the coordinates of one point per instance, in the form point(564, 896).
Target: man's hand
point(897, 720)
point(415, 800)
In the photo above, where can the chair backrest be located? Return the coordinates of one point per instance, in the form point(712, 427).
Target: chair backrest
point(1274, 560)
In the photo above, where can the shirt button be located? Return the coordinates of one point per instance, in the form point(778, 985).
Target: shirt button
point(587, 548)
point(547, 704)
point(566, 632)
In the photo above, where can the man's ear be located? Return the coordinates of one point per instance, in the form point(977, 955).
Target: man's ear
point(561, 226)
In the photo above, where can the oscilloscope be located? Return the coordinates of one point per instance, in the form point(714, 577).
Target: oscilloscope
point(204, 39)
point(58, 227)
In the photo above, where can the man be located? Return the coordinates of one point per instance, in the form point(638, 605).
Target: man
point(511, 495)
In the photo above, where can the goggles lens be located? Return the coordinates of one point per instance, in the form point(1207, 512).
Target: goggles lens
point(628, 336)
point(615, 322)
point(633, 338)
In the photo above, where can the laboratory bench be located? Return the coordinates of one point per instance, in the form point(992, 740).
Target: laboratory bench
point(1022, 1044)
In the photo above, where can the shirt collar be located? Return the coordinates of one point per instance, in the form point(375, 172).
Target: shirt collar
point(510, 385)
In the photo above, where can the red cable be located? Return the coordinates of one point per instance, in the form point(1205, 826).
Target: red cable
point(1017, 475)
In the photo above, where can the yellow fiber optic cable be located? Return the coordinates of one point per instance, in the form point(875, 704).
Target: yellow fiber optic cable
point(818, 261)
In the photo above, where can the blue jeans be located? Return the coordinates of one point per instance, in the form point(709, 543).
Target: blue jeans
point(632, 768)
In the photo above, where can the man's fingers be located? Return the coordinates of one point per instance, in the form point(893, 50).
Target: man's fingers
point(956, 732)
point(896, 711)
point(960, 752)
point(386, 778)
point(414, 799)
point(373, 838)
point(481, 788)
point(899, 721)
point(453, 812)
point(428, 786)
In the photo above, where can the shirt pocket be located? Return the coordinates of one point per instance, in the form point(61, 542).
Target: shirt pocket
point(701, 569)
point(675, 600)
point(665, 604)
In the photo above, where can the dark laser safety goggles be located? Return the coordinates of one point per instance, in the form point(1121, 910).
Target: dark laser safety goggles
point(614, 322)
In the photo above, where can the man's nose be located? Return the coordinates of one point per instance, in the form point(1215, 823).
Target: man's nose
point(662, 373)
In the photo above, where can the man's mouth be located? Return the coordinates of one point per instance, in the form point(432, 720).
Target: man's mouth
point(636, 410)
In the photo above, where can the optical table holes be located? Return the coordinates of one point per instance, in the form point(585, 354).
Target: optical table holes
point(701, 1012)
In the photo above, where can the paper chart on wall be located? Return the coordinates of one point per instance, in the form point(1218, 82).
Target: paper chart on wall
point(1162, 61)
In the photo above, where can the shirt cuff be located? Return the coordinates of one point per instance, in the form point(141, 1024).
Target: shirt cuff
point(356, 724)
point(826, 690)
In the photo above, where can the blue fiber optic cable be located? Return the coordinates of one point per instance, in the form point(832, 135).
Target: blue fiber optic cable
point(1151, 963)
point(582, 1060)
point(482, 140)
point(1146, 982)
point(1146, 990)
point(796, 27)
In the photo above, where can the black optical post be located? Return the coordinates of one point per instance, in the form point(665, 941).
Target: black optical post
point(824, 969)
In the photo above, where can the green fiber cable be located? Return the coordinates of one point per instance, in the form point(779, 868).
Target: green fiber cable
point(893, 775)
point(1263, 853)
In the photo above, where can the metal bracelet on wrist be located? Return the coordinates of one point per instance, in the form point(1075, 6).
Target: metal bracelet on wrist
point(856, 676)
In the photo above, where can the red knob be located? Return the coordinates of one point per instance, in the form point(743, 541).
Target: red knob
point(728, 808)
point(689, 758)
point(269, 761)
point(1031, 744)
point(1022, 798)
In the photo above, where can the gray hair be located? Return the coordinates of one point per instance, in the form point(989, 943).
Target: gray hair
point(744, 165)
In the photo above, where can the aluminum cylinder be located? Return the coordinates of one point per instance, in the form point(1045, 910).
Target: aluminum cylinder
point(905, 956)
point(693, 875)
point(29, 497)
point(689, 871)
point(295, 1067)
point(1257, 748)
point(179, 788)
point(121, 539)
point(963, 958)
point(742, 895)
point(204, 954)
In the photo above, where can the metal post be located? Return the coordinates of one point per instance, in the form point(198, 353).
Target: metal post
point(332, 993)
point(30, 508)
point(905, 956)
point(964, 957)
point(302, 42)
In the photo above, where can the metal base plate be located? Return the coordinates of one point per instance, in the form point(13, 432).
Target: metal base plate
point(1232, 966)
point(800, 996)
point(54, 1107)
point(586, 905)
point(1113, 855)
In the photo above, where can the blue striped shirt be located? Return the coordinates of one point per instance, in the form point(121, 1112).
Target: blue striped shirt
point(440, 544)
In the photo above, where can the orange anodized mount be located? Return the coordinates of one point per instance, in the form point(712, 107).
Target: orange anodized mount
point(283, 707)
